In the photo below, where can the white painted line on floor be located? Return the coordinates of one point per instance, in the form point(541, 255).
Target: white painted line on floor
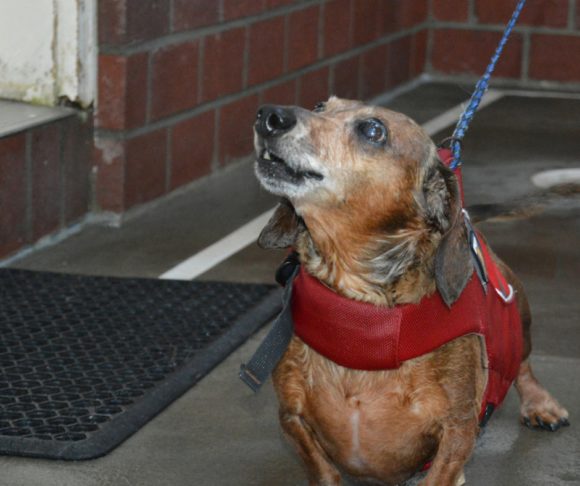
point(452, 115)
point(229, 245)
point(556, 177)
point(219, 251)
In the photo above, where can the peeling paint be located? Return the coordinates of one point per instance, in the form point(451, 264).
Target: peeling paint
point(25, 49)
point(48, 50)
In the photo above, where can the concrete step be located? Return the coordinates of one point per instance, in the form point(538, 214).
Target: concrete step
point(18, 117)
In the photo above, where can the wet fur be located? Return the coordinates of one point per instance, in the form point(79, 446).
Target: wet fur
point(385, 228)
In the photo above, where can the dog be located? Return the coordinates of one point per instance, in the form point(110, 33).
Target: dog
point(376, 218)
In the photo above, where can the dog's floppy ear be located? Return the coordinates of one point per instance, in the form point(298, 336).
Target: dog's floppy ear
point(453, 265)
point(283, 228)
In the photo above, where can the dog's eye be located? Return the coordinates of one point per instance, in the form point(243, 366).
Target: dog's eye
point(373, 130)
point(319, 107)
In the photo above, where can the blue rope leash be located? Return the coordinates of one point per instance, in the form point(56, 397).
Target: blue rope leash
point(480, 89)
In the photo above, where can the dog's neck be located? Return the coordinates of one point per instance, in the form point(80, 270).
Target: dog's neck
point(370, 266)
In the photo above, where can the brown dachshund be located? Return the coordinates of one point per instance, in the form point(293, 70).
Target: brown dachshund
point(369, 207)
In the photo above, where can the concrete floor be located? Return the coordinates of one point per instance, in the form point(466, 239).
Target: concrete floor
point(219, 434)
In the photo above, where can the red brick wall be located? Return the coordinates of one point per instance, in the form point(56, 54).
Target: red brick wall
point(44, 181)
point(544, 48)
point(180, 80)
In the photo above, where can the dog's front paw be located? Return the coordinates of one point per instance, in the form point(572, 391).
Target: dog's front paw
point(543, 411)
point(333, 481)
point(460, 481)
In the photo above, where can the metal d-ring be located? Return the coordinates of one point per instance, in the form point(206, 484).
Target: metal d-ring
point(506, 298)
point(448, 142)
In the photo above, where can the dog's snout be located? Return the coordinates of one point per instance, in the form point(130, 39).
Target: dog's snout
point(273, 121)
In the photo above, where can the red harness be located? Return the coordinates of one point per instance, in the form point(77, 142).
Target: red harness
point(364, 336)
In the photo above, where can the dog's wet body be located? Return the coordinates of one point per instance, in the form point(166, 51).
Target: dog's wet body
point(376, 217)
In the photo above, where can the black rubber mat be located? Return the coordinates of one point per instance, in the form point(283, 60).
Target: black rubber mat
point(86, 361)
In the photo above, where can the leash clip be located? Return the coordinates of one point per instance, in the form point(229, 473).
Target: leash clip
point(448, 142)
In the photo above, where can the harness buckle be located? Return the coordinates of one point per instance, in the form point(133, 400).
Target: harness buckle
point(488, 412)
point(286, 268)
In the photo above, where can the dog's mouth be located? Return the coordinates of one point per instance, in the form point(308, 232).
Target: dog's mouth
point(273, 167)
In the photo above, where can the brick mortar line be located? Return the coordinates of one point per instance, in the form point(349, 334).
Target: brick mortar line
point(246, 59)
point(221, 10)
point(331, 77)
point(320, 44)
point(93, 205)
point(526, 56)
point(428, 67)
point(502, 82)
point(501, 27)
point(190, 35)
point(215, 156)
point(299, 83)
point(286, 53)
point(171, 15)
point(351, 23)
point(296, 90)
point(201, 108)
point(28, 183)
point(572, 15)
point(62, 178)
point(471, 13)
point(359, 77)
point(168, 159)
point(148, 88)
point(430, 12)
point(200, 73)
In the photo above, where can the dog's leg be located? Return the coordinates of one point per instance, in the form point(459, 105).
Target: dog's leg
point(463, 381)
point(455, 448)
point(290, 385)
point(538, 408)
point(319, 469)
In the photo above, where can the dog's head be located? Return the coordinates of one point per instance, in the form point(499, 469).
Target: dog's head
point(366, 178)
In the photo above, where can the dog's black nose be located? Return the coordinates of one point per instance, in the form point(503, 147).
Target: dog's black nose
point(272, 121)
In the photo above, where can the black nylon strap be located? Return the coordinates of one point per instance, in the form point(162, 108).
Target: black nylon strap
point(273, 347)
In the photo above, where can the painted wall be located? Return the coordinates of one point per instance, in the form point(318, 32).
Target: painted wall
point(48, 50)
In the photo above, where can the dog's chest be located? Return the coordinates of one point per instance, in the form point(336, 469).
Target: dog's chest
point(365, 419)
